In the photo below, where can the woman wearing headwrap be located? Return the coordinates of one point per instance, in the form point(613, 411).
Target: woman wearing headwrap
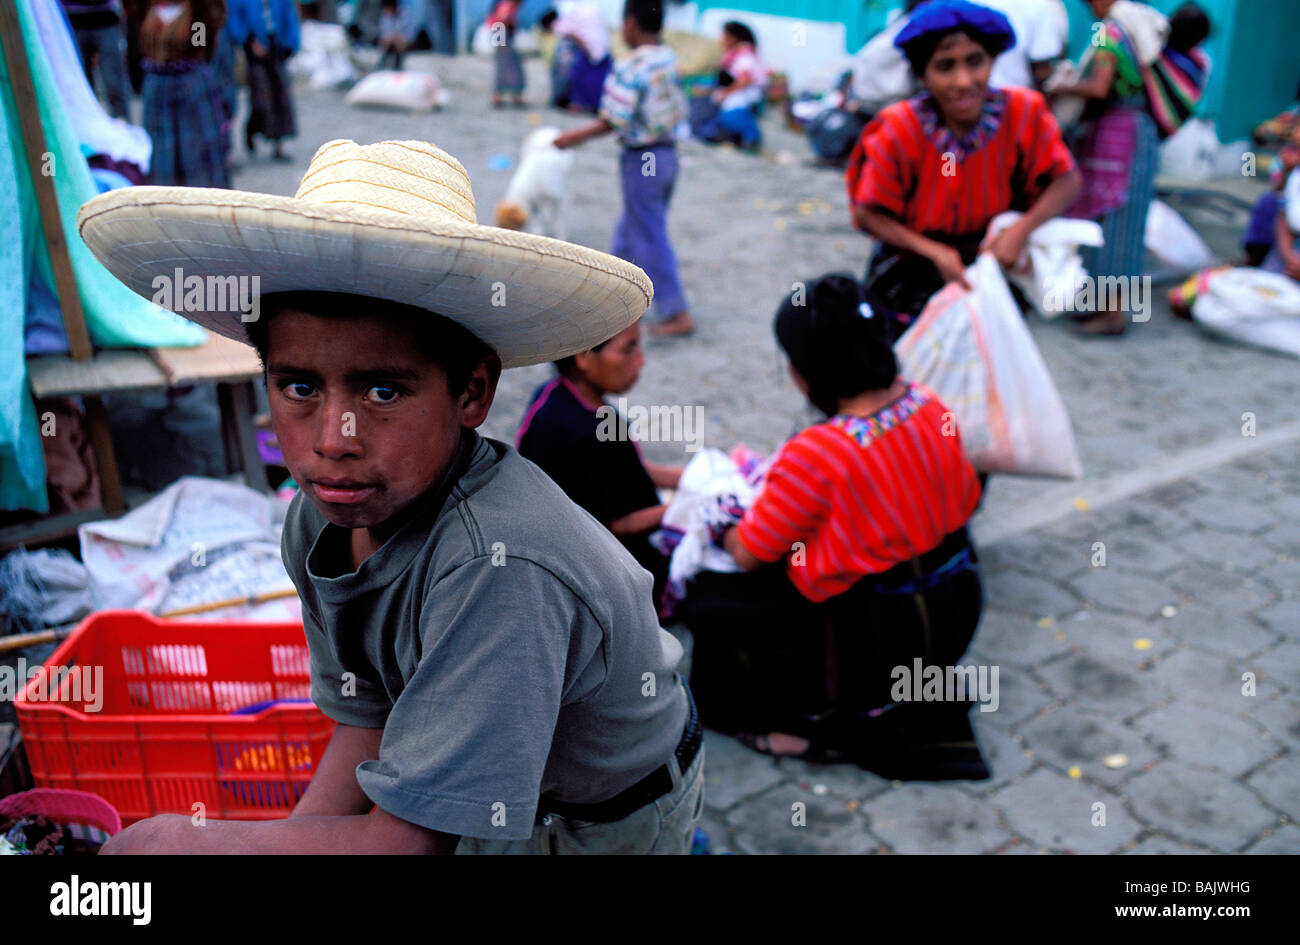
point(856, 560)
point(929, 174)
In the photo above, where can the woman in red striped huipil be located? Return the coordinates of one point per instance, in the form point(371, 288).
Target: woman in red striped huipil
point(929, 174)
point(856, 561)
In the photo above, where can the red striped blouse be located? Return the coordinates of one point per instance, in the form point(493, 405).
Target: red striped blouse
point(899, 167)
point(862, 495)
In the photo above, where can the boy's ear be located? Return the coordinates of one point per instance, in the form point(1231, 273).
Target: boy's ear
point(476, 401)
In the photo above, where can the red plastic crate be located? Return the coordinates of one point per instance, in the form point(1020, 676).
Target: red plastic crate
point(164, 737)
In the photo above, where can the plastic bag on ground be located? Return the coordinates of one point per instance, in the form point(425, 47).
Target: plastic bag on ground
point(415, 91)
point(972, 349)
point(1174, 242)
point(1252, 307)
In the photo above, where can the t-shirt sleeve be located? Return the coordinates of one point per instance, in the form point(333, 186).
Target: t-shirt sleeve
point(465, 747)
point(1046, 155)
point(879, 174)
point(618, 99)
point(791, 507)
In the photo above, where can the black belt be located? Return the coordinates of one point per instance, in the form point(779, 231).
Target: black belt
point(906, 572)
point(650, 788)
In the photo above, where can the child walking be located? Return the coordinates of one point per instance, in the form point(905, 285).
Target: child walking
point(644, 104)
point(502, 21)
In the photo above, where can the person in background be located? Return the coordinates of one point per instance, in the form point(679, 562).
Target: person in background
point(855, 558)
point(582, 57)
point(509, 77)
point(269, 33)
point(97, 27)
point(1284, 257)
point(181, 102)
point(644, 103)
point(929, 174)
point(741, 84)
point(607, 475)
point(399, 25)
point(1040, 41)
point(1119, 151)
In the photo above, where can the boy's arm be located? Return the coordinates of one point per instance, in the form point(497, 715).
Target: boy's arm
point(578, 135)
point(334, 791)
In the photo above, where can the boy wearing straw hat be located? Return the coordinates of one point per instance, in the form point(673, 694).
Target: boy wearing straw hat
point(489, 650)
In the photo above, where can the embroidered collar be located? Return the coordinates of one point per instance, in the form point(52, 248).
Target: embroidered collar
point(868, 429)
point(945, 139)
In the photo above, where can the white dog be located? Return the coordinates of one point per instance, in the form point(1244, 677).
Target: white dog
point(536, 196)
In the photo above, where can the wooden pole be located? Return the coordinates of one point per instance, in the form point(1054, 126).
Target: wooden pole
point(65, 280)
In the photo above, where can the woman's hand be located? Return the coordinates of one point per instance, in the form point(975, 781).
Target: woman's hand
point(258, 49)
point(1007, 246)
point(948, 261)
point(1292, 260)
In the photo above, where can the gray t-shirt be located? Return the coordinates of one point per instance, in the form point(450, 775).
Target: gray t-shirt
point(503, 639)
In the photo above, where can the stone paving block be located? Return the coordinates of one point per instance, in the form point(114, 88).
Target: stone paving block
point(1117, 639)
point(1284, 617)
point(1163, 846)
point(1207, 738)
point(1004, 754)
point(1115, 691)
point(1011, 638)
point(1205, 629)
point(1150, 518)
point(1285, 841)
point(1285, 577)
point(1113, 588)
point(1197, 806)
point(1285, 537)
point(721, 837)
point(1282, 665)
point(732, 771)
point(1053, 811)
point(1020, 696)
point(1229, 515)
point(1126, 551)
point(846, 781)
point(766, 824)
point(1038, 555)
point(1019, 593)
point(1207, 679)
point(1239, 552)
point(933, 818)
point(1280, 718)
point(1223, 590)
point(1072, 737)
point(1278, 783)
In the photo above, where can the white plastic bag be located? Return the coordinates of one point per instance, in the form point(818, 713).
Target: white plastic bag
point(1252, 307)
point(323, 57)
point(709, 474)
point(1174, 242)
point(1055, 268)
point(416, 91)
point(974, 351)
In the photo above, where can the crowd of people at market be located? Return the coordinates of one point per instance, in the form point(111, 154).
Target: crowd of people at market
point(961, 111)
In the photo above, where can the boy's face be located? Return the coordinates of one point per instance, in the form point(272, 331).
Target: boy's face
point(365, 422)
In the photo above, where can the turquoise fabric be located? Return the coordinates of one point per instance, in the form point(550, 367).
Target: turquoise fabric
point(115, 316)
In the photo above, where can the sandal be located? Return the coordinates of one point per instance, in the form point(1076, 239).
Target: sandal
point(815, 753)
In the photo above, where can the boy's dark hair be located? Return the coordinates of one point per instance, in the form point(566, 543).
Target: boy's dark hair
point(547, 18)
point(648, 14)
point(740, 32)
point(566, 366)
point(834, 347)
point(442, 341)
point(1188, 28)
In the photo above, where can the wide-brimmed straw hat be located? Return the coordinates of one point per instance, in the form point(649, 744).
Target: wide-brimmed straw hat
point(393, 220)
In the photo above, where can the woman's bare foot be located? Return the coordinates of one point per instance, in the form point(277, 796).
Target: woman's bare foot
point(679, 324)
point(776, 744)
point(1102, 323)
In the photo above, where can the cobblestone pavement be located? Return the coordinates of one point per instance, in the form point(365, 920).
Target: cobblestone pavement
point(1143, 657)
